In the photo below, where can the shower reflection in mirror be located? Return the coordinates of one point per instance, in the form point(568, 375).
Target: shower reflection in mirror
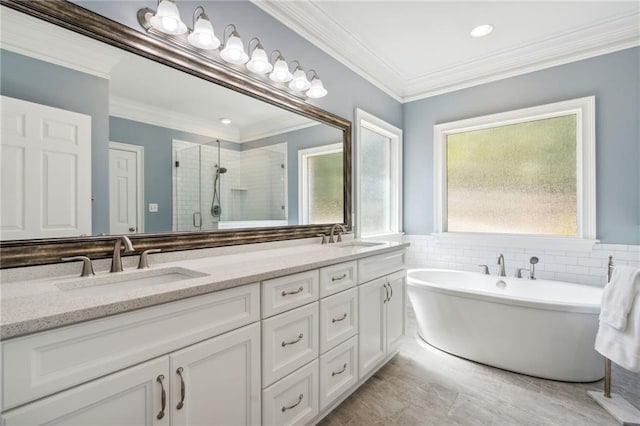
point(220, 185)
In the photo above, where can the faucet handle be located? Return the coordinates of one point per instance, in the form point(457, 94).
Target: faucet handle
point(519, 272)
point(144, 260)
point(324, 238)
point(485, 269)
point(87, 266)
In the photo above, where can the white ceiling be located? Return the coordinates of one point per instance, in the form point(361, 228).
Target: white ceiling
point(416, 49)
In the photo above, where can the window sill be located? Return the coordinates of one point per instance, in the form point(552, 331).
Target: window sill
point(515, 241)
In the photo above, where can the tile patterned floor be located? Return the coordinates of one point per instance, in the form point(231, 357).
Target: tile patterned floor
point(424, 386)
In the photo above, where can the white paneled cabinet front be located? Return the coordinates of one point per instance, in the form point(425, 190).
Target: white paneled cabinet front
point(130, 397)
point(382, 319)
point(217, 382)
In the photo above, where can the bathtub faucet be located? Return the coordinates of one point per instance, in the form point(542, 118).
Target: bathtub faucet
point(501, 272)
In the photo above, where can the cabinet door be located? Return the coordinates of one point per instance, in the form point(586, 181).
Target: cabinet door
point(130, 397)
point(395, 310)
point(371, 318)
point(221, 380)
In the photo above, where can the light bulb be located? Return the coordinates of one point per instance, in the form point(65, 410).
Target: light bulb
point(233, 51)
point(316, 90)
point(280, 73)
point(259, 62)
point(202, 36)
point(167, 19)
point(299, 81)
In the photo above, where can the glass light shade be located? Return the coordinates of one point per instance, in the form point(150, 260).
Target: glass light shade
point(259, 63)
point(167, 19)
point(281, 73)
point(299, 81)
point(202, 36)
point(233, 51)
point(316, 90)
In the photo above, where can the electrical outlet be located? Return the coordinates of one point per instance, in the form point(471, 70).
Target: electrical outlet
point(153, 207)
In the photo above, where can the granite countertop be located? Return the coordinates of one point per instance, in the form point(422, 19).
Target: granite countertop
point(42, 304)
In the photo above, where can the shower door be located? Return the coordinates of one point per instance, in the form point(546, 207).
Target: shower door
point(187, 186)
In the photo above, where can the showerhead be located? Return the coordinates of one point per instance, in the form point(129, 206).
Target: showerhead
point(222, 170)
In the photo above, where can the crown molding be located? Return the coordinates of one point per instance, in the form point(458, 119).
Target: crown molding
point(34, 38)
point(144, 113)
point(308, 20)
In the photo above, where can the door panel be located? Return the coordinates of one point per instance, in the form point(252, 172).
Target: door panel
point(221, 378)
point(123, 191)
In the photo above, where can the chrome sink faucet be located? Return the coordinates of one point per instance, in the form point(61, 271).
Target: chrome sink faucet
point(116, 260)
point(333, 229)
point(501, 272)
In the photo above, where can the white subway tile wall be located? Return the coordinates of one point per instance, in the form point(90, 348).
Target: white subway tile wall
point(584, 267)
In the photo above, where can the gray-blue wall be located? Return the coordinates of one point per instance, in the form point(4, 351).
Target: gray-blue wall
point(614, 79)
point(48, 84)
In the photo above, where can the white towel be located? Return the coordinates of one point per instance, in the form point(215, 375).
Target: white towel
point(618, 296)
point(622, 347)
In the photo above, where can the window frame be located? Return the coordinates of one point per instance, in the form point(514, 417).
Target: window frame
point(584, 109)
point(369, 121)
point(303, 176)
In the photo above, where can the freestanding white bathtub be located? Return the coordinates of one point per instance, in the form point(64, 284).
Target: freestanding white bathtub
point(541, 328)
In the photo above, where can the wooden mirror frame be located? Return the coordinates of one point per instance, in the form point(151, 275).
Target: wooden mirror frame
point(17, 253)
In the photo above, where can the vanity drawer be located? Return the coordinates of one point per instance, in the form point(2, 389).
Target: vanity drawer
point(294, 399)
point(338, 371)
point(284, 293)
point(379, 265)
point(289, 341)
point(336, 278)
point(40, 364)
point(338, 318)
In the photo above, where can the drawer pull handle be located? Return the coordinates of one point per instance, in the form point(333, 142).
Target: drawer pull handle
point(159, 379)
point(285, 408)
point(293, 342)
point(285, 293)
point(182, 388)
point(386, 298)
point(339, 319)
point(335, 373)
point(341, 277)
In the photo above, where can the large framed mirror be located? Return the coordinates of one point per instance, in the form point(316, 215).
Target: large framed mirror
point(108, 131)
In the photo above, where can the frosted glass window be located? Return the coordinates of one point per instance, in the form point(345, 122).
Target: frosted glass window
point(325, 188)
point(514, 179)
point(376, 182)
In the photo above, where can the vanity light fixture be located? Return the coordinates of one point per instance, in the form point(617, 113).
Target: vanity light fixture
point(280, 73)
point(167, 18)
point(299, 81)
point(233, 51)
point(202, 35)
point(259, 63)
point(316, 89)
point(165, 24)
point(481, 30)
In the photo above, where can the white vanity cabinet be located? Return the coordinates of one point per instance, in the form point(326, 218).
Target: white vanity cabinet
point(215, 382)
point(382, 304)
point(221, 374)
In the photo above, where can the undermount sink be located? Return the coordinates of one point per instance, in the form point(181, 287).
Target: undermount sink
point(356, 244)
point(123, 281)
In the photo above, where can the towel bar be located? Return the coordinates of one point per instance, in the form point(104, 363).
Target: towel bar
point(618, 407)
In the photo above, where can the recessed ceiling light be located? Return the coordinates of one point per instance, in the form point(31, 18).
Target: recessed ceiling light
point(481, 30)
point(225, 120)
